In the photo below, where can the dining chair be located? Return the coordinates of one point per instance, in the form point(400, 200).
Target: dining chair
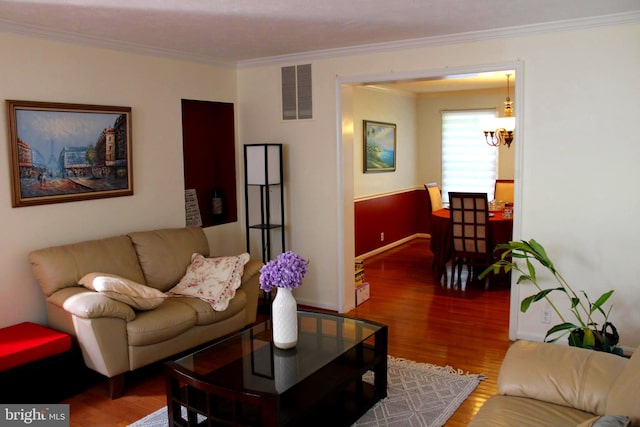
point(470, 233)
point(434, 202)
point(503, 190)
point(434, 196)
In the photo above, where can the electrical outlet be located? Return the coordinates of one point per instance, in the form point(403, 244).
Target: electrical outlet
point(382, 237)
point(546, 315)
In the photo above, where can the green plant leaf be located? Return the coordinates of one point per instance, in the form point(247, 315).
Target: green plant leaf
point(518, 255)
point(496, 267)
point(525, 303)
point(487, 271)
point(562, 327)
point(523, 278)
point(495, 270)
point(504, 246)
point(543, 293)
point(603, 298)
point(574, 302)
point(514, 246)
point(589, 339)
point(532, 270)
point(537, 247)
point(541, 255)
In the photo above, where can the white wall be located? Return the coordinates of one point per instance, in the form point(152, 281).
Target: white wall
point(579, 148)
point(37, 70)
point(310, 178)
point(388, 107)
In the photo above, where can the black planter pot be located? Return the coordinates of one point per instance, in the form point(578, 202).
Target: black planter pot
point(606, 339)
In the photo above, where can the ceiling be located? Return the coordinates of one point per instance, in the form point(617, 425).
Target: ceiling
point(235, 31)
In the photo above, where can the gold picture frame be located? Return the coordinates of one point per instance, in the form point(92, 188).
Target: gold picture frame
point(379, 143)
point(68, 152)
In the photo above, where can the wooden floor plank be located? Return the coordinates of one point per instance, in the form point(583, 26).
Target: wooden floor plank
point(467, 330)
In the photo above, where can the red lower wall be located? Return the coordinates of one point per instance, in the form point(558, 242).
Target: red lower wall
point(396, 215)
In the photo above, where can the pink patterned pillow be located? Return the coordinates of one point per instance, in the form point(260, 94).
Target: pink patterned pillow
point(214, 280)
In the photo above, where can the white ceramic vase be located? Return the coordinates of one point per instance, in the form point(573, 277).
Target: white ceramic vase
point(284, 318)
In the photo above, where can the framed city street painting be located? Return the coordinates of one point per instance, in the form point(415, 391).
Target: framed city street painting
point(68, 152)
point(379, 140)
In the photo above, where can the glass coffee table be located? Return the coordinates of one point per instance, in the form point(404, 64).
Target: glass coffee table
point(244, 380)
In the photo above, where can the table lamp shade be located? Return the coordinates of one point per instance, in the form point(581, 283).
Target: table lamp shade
point(263, 164)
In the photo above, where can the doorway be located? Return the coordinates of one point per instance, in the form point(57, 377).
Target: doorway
point(345, 152)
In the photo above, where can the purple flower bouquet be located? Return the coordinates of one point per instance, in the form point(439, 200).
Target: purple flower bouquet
point(286, 271)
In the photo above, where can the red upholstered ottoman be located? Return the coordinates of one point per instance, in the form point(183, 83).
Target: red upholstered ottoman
point(26, 342)
point(38, 364)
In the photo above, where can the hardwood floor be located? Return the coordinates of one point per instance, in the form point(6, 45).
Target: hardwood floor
point(467, 330)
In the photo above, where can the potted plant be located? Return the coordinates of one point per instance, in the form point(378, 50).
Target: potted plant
point(584, 332)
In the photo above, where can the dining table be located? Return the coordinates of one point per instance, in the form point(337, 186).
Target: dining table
point(500, 227)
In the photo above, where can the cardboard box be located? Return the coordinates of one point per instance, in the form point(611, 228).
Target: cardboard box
point(359, 277)
point(362, 293)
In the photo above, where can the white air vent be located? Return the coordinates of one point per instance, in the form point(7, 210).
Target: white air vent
point(297, 100)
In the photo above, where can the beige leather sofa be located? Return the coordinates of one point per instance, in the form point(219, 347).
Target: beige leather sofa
point(115, 338)
point(542, 384)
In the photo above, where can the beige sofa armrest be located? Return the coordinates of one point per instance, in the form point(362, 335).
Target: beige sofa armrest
point(623, 398)
point(90, 305)
point(62, 266)
point(559, 374)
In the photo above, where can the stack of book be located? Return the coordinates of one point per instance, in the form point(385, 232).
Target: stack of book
point(362, 287)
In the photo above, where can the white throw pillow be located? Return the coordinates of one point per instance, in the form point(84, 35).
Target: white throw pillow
point(214, 280)
point(127, 291)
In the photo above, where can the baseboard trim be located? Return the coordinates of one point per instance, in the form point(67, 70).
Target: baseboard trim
point(393, 245)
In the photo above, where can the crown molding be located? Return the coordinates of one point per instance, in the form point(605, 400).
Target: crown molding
point(118, 45)
point(473, 36)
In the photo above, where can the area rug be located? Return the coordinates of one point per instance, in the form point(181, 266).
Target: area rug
point(419, 394)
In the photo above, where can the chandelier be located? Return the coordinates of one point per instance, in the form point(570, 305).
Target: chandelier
point(501, 130)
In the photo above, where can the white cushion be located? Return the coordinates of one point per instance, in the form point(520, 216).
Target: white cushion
point(214, 280)
point(127, 291)
point(606, 421)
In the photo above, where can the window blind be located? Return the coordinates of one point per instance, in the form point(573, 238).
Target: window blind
point(469, 164)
